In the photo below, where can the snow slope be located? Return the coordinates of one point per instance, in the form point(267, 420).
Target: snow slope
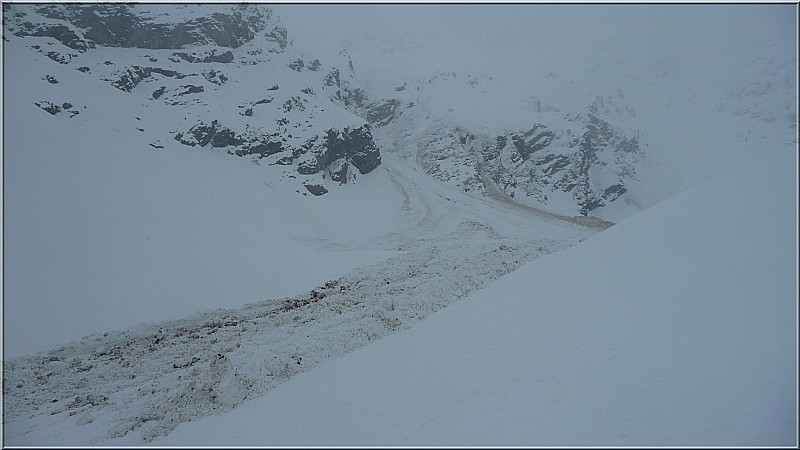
point(677, 326)
point(149, 283)
point(105, 231)
point(138, 382)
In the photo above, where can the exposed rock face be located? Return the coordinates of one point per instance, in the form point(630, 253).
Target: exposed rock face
point(129, 78)
point(55, 110)
point(349, 147)
point(297, 65)
point(49, 107)
point(334, 154)
point(342, 87)
point(262, 149)
point(533, 140)
point(579, 159)
point(215, 135)
point(381, 113)
point(542, 160)
point(316, 189)
point(204, 57)
point(303, 135)
point(143, 26)
point(61, 33)
point(215, 77)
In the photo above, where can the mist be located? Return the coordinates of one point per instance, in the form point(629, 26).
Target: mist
point(389, 43)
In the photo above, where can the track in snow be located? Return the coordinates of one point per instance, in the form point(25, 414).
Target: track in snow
point(143, 382)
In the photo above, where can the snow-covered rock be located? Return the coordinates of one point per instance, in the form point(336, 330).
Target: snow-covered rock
point(230, 76)
point(568, 162)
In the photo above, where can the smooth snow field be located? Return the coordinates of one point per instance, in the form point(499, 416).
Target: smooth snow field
point(675, 327)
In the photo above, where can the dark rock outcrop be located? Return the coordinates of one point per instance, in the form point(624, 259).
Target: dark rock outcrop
point(354, 147)
point(58, 57)
point(123, 25)
point(316, 189)
point(214, 134)
point(159, 92)
point(204, 57)
point(204, 38)
point(533, 140)
point(380, 114)
point(308, 167)
point(61, 33)
point(191, 89)
point(278, 35)
point(54, 109)
point(215, 76)
point(587, 158)
point(134, 75)
point(297, 65)
point(49, 107)
point(263, 149)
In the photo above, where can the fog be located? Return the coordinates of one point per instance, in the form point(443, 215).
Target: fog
point(679, 65)
point(389, 43)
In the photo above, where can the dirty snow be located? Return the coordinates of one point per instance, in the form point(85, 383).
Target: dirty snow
point(676, 327)
point(141, 382)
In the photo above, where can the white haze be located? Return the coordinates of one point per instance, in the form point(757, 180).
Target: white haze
point(524, 40)
point(675, 63)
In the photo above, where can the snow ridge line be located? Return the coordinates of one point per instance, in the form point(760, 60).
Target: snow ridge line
point(149, 379)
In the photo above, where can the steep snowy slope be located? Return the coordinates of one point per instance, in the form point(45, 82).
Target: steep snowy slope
point(676, 327)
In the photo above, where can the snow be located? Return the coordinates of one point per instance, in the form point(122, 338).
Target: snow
point(679, 66)
point(109, 232)
point(164, 296)
point(138, 384)
point(675, 327)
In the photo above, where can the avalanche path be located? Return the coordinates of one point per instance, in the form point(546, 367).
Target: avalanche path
point(132, 386)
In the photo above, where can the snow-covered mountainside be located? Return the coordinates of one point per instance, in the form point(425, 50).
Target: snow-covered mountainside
point(216, 76)
point(576, 110)
point(570, 162)
point(590, 154)
point(228, 189)
point(549, 144)
point(197, 209)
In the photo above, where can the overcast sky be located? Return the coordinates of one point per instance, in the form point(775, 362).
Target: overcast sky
point(413, 38)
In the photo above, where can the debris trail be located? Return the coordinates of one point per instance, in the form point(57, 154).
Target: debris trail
point(151, 378)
